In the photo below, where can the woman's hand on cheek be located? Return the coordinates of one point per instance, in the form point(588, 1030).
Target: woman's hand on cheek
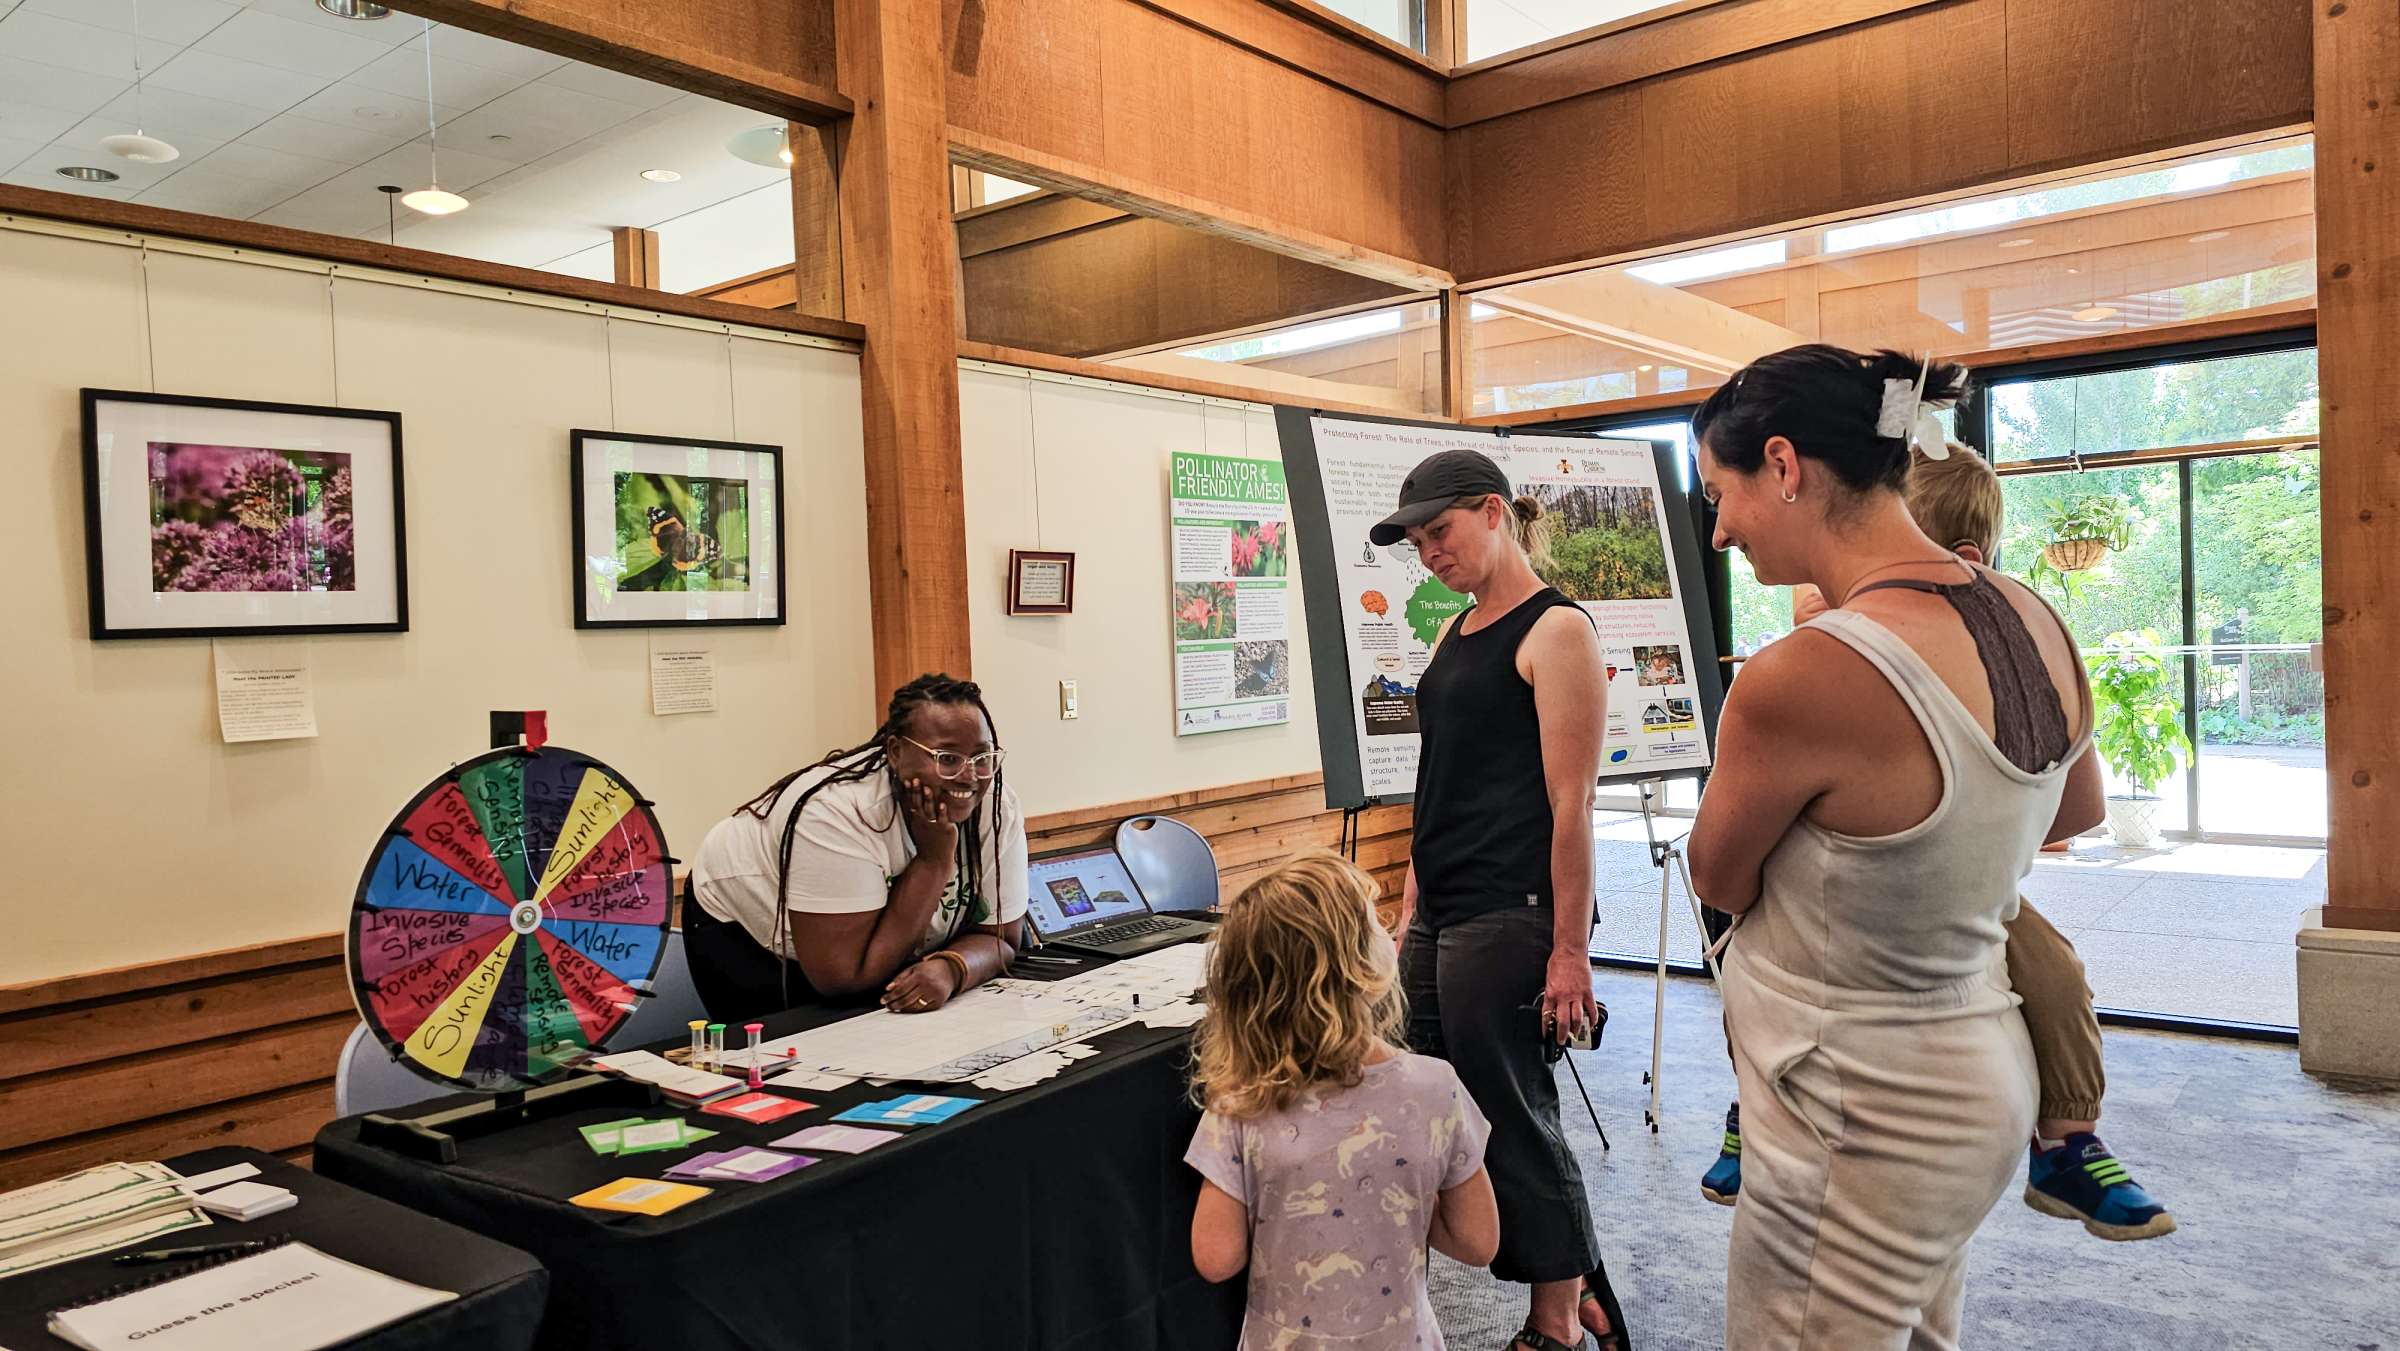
point(927, 809)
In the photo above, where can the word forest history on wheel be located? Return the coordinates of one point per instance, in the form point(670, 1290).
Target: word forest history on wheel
point(510, 918)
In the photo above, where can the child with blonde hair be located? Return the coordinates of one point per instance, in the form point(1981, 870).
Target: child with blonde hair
point(1330, 1156)
point(2070, 1174)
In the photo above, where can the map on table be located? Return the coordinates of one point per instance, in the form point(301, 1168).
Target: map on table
point(510, 918)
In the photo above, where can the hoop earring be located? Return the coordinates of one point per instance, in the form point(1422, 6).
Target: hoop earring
point(1790, 496)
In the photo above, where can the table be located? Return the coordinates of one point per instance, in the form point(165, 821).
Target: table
point(500, 1289)
point(1054, 1218)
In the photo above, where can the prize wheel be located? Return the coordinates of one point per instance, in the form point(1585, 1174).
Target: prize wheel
point(508, 917)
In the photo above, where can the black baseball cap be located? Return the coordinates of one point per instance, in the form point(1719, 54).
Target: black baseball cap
point(1433, 485)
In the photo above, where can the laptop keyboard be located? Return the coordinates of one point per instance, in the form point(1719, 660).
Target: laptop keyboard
point(1132, 928)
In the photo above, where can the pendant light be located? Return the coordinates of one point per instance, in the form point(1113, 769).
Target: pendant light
point(140, 147)
point(431, 199)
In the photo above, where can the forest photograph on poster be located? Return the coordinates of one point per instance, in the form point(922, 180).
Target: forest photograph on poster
point(1608, 545)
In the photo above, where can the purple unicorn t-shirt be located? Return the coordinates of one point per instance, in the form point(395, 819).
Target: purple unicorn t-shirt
point(1341, 1187)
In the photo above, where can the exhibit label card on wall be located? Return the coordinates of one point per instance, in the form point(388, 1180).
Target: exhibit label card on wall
point(1611, 555)
point(1232, 542)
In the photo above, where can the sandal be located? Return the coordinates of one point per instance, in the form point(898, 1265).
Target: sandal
point(1542, 1341)
point(1596, 1290)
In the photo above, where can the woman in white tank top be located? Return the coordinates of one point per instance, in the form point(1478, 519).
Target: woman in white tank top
point(1884, 777)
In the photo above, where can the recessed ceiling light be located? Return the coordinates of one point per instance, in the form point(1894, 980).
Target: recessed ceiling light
point(499, 138)
point(2018, 243)
point(2210, 236)
point(662, 175)
point(85, 173)
point(434, 202)
point(2092, 314)
point(1645, 368)
point(355, 9)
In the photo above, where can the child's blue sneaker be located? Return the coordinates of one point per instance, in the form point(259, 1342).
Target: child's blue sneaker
point(1723, 1181)
point(2081, 1180)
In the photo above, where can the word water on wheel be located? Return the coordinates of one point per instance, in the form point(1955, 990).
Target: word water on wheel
point(508, 917)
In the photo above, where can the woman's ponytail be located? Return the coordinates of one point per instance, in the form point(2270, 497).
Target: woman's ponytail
point(1535, 529)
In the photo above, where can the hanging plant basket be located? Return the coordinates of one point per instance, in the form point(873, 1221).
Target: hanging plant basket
point(2074, 555)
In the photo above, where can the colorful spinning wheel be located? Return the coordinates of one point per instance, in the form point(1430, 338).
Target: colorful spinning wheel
point(508, 917)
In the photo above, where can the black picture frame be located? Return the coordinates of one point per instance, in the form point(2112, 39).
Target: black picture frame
point(95, 520)
point(754, 452)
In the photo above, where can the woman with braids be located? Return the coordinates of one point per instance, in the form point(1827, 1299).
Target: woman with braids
point(895, 867)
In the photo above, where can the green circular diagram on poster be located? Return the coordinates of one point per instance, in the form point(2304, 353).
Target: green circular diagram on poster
point(510, 918)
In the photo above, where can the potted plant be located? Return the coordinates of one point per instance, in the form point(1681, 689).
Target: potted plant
point(2084, 527)
point(2138, 729)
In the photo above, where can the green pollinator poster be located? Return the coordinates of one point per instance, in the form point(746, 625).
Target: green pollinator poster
point(1231, 608)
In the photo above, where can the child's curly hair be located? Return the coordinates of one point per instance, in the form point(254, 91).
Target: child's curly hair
point(1303, 985)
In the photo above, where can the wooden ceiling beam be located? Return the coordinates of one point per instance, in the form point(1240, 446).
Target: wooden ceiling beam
point(1675, 326)
point(777, 58)
point(1276, 235)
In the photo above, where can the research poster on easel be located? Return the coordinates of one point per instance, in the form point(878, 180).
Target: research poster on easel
point(1232, 618)
point(1624, 550)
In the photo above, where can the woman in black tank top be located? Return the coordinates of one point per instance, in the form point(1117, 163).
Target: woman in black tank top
point(1497, 911)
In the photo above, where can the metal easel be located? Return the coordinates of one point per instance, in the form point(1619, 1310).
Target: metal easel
point(1667, 857)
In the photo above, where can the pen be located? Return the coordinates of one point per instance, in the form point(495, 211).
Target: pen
point(185, 1254)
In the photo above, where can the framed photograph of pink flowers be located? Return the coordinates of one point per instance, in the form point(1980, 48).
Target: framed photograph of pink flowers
point(207, 518)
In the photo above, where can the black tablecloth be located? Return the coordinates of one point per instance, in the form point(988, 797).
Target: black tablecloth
point(500, 1290)
point(1054, 1218)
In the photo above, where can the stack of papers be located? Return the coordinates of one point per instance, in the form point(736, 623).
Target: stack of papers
point(740, 1165)
point(837, 1139)
point(639, 1196)
point(674, 1080)
point(247, 1200)
point(634, 1135)
point(91, 1211)
point(757, 1107)
point(923, 1110)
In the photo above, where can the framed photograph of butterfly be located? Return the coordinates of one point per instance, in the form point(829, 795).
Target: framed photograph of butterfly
point(672, 531)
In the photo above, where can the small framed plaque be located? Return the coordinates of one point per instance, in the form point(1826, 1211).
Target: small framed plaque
point(1040, 582)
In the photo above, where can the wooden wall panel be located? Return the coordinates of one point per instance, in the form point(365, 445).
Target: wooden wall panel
point(1130, 282)
point(2150, 75)
point(777, 57)
point(1146, 107)
point(1920, 102)
point(1647, 48)
point(1252, 827)
point(234, 1047)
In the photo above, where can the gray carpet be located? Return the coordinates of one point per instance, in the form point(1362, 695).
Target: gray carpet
point(2286, 1188)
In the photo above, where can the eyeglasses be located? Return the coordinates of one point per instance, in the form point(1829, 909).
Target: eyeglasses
point(950, 764)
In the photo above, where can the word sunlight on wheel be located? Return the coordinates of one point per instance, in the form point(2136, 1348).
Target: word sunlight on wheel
point(510, 919)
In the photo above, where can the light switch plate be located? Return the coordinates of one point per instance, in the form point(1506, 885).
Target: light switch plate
point(1066, 699)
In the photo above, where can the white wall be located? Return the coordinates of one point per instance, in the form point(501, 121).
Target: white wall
point(1059, 465)
point(130, 833)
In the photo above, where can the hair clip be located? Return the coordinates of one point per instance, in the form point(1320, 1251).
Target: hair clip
point(1904, 415)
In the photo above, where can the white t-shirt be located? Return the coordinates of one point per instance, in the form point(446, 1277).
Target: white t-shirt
point(851, 844)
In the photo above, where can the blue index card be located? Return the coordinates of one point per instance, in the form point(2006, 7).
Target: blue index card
point(917, 1111)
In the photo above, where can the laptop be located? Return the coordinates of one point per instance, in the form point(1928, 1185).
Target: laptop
point(1087, 901)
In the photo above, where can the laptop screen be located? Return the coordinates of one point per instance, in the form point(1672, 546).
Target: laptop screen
point(1082, 890)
